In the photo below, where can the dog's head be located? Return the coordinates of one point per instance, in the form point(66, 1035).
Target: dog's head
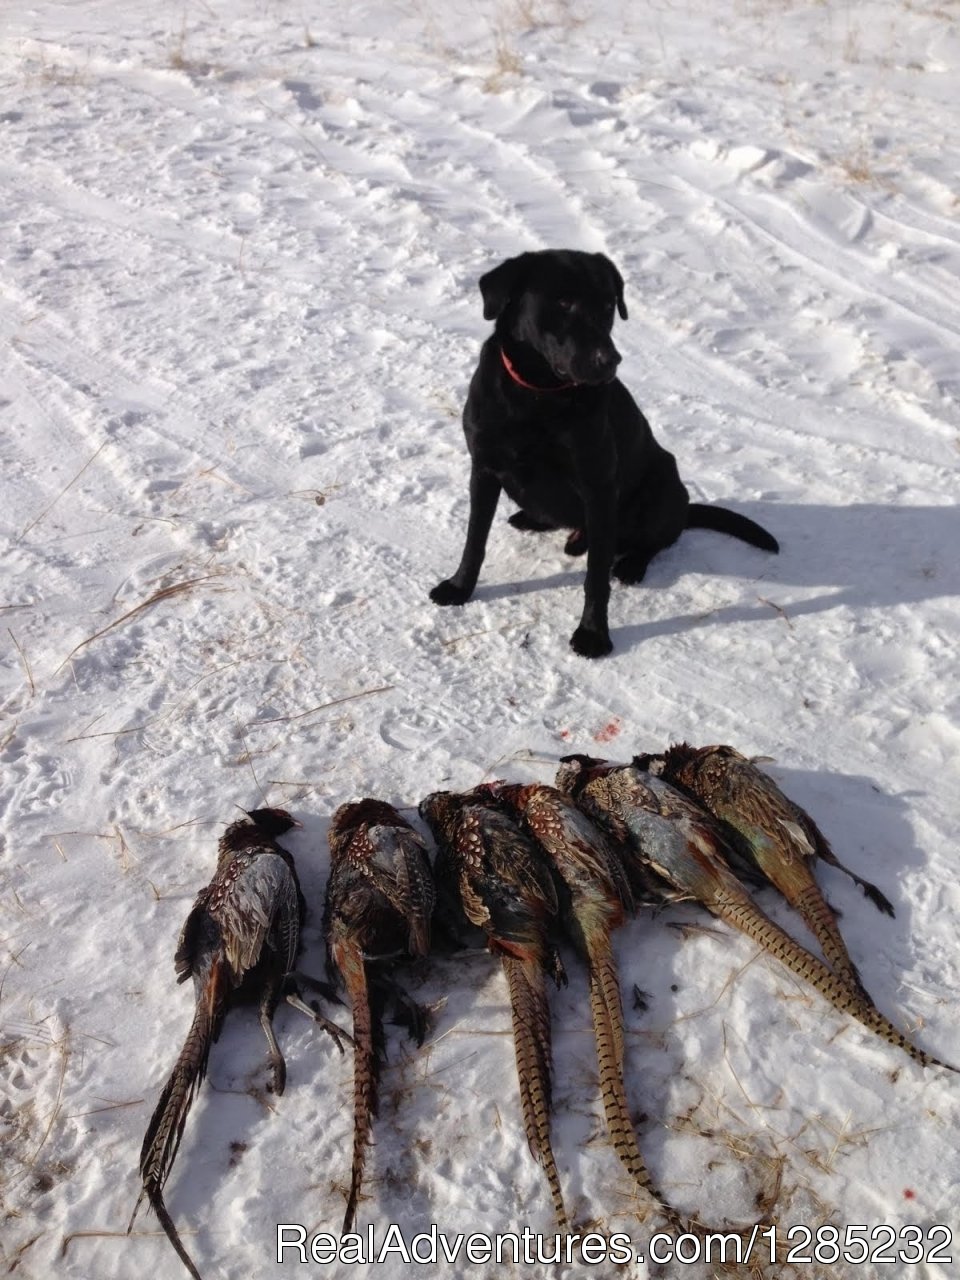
point(561, 303)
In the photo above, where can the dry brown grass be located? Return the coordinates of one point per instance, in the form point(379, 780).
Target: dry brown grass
point(169, 592)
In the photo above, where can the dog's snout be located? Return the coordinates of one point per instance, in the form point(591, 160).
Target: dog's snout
point(605, 361)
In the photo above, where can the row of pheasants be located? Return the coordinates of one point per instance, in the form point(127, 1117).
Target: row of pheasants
point(524, 864)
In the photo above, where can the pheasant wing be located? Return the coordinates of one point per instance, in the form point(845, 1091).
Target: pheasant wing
point(400, 869)
point(260, 896)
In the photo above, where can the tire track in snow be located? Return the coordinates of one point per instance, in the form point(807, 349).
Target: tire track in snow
point(521, 192)
point(789, 233)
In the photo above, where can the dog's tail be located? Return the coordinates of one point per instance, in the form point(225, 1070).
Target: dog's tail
point(720, 520)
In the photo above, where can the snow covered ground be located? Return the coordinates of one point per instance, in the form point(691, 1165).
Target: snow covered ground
point(238, 308)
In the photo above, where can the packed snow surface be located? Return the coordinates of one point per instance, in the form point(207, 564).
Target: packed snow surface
point(240, 244)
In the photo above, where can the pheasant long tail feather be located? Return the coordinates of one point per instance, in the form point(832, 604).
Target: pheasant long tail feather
point(531, 1038)
point(365, 1066)
point(165, 1130)
point(813, 907)
point(606, 1029)
point(747, 917)
point(604, 977)
point(155, 1196)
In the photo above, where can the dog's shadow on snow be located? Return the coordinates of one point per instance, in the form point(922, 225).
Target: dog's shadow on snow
point(864, 554)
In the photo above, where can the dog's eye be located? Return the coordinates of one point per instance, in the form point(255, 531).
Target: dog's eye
point(565, 304)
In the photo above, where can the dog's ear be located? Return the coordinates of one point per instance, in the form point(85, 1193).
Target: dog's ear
point(501, 284)
point(617, 281)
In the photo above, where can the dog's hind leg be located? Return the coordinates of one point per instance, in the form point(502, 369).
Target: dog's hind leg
point(530, 524)
point(632, 567)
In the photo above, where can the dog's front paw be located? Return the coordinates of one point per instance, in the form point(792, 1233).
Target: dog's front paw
point(589, 643)
point(447, 592)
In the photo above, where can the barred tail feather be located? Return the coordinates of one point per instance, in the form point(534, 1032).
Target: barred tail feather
point(531, 1038)
point(813, 907)
point(165, 1130)
point(603, 975)
point(366, 1066)
point(747, 916)
point(155, 1197)
point(619, 1124)
point(607, 1014)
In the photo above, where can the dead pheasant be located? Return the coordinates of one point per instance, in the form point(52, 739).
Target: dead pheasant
point(239, 942)
point(598, 900)
point(687, 847)
point(506, 889)
point(379, 903)
point(780, 838)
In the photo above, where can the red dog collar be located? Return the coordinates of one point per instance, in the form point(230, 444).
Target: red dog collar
point(521, 382)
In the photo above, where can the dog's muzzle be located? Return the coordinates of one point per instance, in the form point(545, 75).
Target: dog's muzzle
point(595, 366)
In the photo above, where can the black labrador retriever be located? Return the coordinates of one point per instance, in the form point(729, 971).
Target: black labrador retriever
point(548, 420)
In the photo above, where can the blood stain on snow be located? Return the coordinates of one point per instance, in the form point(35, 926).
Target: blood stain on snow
point(609, 731)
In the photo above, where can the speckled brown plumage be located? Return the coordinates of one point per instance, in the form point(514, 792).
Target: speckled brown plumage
point(686, 845)
point(379, 903)
point(780, 837)
point(505, 888)
point(239, 942)
point(596, 901)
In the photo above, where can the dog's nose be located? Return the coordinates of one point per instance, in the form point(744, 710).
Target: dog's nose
point(605, 361)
